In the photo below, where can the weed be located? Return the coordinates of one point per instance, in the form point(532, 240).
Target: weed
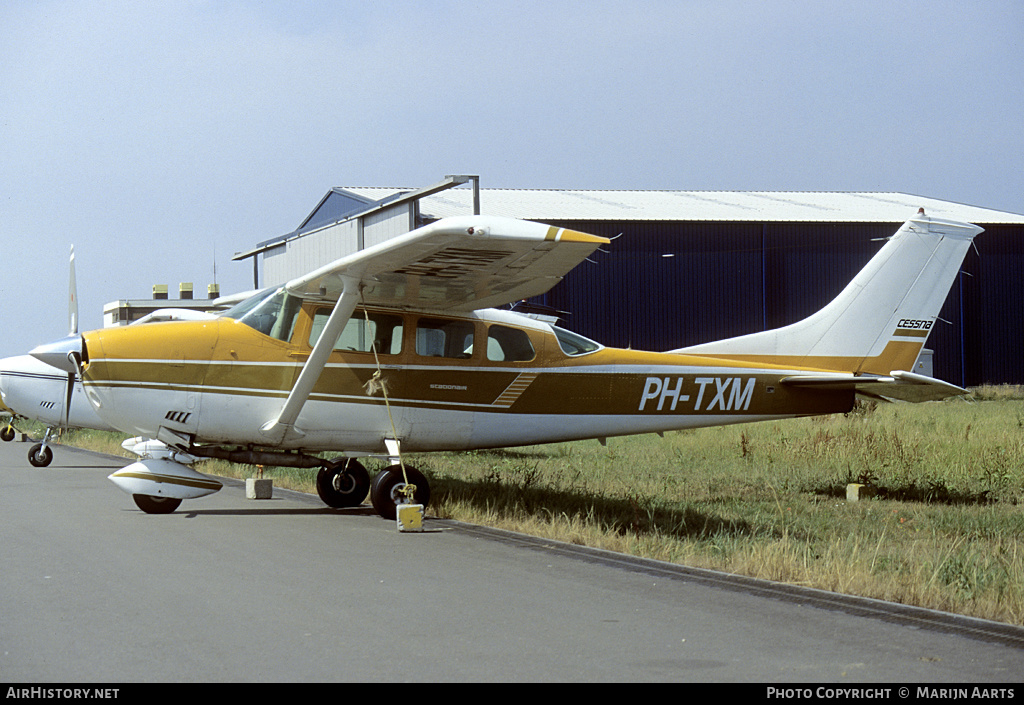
point(943, 531)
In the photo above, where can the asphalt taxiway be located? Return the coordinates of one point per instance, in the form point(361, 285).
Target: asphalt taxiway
point(228, 589)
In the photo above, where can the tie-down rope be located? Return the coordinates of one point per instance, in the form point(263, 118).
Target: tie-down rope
point(377, 380)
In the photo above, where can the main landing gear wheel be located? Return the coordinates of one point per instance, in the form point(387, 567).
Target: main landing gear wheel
point(7, 433)
point(343, 485)
point(386, 492)
point(39, 455)
point(156, 505)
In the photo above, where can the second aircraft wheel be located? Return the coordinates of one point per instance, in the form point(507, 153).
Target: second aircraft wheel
point(386, 491)
point(40, 455)
point(342, 486)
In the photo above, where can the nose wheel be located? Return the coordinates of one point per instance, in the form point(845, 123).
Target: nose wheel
point(389, 490)
point(156, 505)
point(40, 455)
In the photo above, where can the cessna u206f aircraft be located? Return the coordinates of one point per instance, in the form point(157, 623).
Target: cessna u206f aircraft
point(398, 348)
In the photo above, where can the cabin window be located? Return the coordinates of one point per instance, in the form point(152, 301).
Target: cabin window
point(437, 337)
point(506, 344)
point(272, 313)
point(574, 344)
point(384, 332)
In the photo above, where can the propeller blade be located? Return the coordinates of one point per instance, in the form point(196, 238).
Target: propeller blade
point(72, 298)
point(67, 399)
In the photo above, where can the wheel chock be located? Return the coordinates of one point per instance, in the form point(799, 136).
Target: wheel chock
point(259, 488)
point(409, 517)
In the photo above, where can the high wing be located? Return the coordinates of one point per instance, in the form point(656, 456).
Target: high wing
point(456, 264)
point(899, 385)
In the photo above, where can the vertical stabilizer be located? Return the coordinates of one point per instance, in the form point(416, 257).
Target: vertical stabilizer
point(881, 320)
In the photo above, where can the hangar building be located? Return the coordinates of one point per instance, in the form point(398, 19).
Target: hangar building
point(687, 267)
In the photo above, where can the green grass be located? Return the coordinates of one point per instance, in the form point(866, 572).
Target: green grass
point(769, 499)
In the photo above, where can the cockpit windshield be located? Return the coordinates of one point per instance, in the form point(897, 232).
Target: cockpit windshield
point(271, 312)
point(246, 305)
point(573, 343)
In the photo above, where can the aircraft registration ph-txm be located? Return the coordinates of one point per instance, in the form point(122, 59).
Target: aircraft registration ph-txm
point(400, 348)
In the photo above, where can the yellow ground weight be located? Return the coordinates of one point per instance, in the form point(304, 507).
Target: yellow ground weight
point(409, 517)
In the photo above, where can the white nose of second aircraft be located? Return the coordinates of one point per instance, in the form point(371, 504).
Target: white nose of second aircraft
point(65, 354)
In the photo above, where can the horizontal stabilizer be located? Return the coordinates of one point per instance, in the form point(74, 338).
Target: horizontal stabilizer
point(897, 386)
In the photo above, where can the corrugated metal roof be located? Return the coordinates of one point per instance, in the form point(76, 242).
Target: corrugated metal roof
point(757, 206)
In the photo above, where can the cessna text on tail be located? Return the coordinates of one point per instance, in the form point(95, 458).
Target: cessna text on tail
point(398, 348)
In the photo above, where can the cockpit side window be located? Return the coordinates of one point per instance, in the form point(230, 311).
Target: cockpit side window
point(574, 344)
point(506, 344)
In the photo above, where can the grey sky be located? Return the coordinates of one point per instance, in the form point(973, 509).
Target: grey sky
point(159, 136)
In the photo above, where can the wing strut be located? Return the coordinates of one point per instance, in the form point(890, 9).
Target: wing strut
point(283, 426)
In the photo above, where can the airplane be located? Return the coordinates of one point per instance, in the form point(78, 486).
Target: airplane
point(31, 389)
point(37, 391)
point(34, 390)
point(7, 432)
point(400, 348)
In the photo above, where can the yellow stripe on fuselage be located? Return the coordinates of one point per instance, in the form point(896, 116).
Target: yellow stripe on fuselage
point(226, 358)
point(609, 389)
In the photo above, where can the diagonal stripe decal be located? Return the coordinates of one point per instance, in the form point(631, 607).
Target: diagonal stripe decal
point(507, 398)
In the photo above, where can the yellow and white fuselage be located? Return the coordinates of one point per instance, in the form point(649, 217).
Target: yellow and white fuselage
point(400, 347)
point(235, 378)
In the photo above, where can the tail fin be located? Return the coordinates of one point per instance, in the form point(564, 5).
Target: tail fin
point(881, 320)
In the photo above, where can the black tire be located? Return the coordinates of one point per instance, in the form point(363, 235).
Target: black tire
point(156, 505)
point(7, 433)
point(40, 456)
point(343, 486)
point(386, 490)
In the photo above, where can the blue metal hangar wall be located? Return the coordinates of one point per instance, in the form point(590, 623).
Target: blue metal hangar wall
point(686, 267)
